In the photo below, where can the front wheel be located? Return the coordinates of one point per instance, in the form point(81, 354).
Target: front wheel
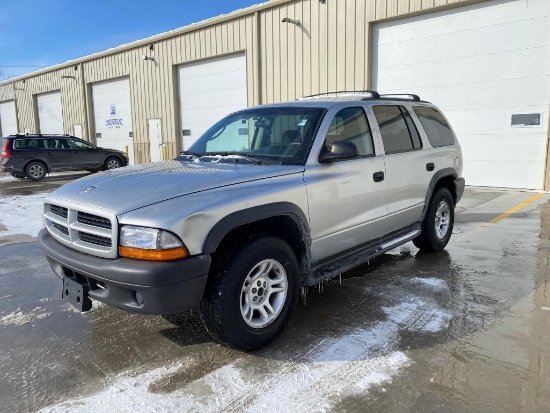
point(437, 226)
point(252, 294)
point(112, 162)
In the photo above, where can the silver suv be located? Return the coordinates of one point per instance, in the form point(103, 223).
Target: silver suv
point(269, 199)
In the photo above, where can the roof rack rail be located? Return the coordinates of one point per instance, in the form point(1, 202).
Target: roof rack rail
point(410, 96)
point(342, 93)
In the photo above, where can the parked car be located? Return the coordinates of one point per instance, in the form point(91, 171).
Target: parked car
point(33, 156)
point(269, 199)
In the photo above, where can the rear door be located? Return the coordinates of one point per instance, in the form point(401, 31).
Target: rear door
point(347, 203)
point(58, 157)
point(409, 169)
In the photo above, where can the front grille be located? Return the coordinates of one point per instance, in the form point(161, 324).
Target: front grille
point(93, 220)
point(83, 228)
point(94, 239)
point(61, 228)
point(58, 210)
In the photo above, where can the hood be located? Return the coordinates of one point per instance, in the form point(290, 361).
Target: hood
point(132, 187)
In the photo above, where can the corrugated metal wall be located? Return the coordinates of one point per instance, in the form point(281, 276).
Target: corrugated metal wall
point(328, 51)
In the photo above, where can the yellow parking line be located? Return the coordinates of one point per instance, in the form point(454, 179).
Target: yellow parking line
point(464, 236)
point(513, 210)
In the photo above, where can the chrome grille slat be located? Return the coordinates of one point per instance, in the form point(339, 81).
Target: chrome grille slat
point(94, 239)
point(84, 228)
point(58, 210)
point(61, 228)
point(93, 220)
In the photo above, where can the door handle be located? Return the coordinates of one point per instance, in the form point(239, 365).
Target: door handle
point(378, 176)
point(430, 167)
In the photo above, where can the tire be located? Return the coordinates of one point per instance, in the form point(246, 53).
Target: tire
point(240, 287)
point(17, 175)
point(35, 171)
point(437, 226)
point(112, 162)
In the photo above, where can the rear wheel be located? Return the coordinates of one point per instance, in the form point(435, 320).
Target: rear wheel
point(438, 223)
point(17, 175)
point(112, 162)
point(35, 171)
point(252, 294)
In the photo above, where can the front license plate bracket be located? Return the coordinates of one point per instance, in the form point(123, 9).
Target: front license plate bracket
point(76, 294)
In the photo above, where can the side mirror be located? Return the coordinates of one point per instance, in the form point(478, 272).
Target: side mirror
point(338, 150)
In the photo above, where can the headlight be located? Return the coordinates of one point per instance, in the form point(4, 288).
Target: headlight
point(150, 244)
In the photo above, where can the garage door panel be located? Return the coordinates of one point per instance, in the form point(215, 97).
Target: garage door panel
point(459, 96)
point(477, 173)
point(8, 118)
point(209, 90)
point(230, 82)
point(497, 39)
point(488, 148)
point(467, 19)
point(492, 121)
point(480, 64)
point(501, 66)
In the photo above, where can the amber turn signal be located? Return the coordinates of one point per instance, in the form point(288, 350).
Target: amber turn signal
point(153, 255)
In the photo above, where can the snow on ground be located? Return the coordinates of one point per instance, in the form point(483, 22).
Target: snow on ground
point(21, 214)
point(19, 318)
point(334, 369)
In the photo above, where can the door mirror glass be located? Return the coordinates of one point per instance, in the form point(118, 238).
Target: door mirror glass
point(337, 151)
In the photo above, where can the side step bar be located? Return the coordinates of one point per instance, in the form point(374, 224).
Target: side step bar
point(358, 257)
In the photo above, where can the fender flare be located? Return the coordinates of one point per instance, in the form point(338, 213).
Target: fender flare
point(249, 215)
point(435, 178)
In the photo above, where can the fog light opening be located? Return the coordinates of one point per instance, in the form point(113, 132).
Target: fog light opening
point(139, 298)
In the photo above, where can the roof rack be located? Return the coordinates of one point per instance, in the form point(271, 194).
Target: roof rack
point(357, 94)
point(408, 96)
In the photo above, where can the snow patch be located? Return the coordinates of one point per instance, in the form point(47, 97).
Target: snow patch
point(435, 283)
point(19, 318)
point(22, 214)
point(419, 316)
point(320, 378)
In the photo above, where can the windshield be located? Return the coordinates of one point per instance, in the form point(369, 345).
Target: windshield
point(281, 135)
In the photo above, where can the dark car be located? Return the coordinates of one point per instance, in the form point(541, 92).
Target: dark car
point(33, 156)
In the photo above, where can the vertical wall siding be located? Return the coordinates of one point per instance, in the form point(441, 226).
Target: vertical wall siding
point(328, 51)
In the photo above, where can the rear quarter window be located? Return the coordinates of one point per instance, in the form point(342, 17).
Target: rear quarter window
point(436, 127)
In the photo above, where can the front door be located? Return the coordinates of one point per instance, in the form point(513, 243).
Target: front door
point(84, 155)
point(347, 199)
point(155, 140)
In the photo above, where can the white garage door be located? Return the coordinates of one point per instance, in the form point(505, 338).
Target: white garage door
point(50, 113)
point(481, 65)
point(8, 118)
point(113, 115)
point(210, 90)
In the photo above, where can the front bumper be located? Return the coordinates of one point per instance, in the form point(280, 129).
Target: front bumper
point(137, 286)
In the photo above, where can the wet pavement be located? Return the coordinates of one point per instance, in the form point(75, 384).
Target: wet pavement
point(463, 330)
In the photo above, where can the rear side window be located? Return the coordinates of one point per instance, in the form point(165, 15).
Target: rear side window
point(397, 129)
point(436, 127)
point(29, 144)
point(351, 125)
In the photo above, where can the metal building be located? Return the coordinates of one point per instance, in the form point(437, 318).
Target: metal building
point(486, 63)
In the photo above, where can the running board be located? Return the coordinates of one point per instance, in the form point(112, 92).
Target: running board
point(353, 259)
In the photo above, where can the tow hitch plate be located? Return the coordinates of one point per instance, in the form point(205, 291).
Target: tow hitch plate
point(76, 294)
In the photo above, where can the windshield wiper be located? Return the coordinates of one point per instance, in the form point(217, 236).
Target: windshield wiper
point(193, 155)
point(251, 158)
